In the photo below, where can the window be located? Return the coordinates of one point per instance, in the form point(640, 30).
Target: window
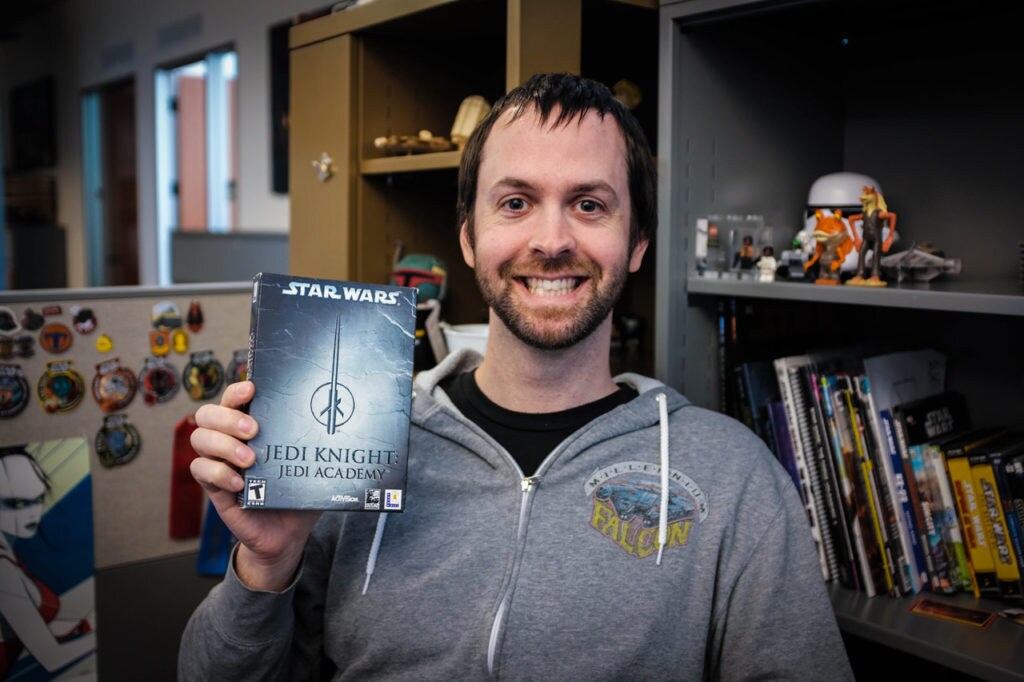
point(195, 138)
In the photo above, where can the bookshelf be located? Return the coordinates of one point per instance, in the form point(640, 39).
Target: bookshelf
point(399, 66)
point(757, 99)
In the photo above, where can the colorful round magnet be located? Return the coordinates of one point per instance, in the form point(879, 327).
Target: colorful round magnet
point(114, 385)
point(158, 380)
point(83, 320)
point(166, 315)
point(203, 376)
point(238, 368)
point(104, 343)
point(13, 391)
point(159, 342)
point(25, 346)
point(117, 441)
point(55, 338)
point(194, 320)
point(179, 340)
point(60, 387)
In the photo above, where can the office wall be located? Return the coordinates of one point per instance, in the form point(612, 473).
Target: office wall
point(86, 43)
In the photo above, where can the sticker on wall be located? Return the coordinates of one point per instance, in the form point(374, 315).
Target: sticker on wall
point(60, 387)
point(51, 310)
point(104, 343)
point(114, 385)
point(8, 322)
point(203, 376)
point(159, 342)
point(238, 368)
point(55, 338)
point(31, 320)
point(166, 315)
point(83, 320)
point(25, 346)
point(13, 391)
point(179, 340)
point(6, 347)
point(195, 316)
point(117, 441)
point(158, 380)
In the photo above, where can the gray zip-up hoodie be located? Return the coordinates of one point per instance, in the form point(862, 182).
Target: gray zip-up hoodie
point(489, 574)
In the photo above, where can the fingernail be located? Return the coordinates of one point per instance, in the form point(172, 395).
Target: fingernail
point(243, 454)
point(236, 482)
point(246, 425)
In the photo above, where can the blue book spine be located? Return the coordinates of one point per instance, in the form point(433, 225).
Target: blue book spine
point(916, 562)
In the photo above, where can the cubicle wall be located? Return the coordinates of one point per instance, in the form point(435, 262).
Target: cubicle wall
point(131, 500)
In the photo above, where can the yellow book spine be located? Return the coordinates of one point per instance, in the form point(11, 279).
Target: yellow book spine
point(967, 504)
point(994, 522)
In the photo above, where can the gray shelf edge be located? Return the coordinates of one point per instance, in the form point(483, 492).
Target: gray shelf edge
point(142, 291)
point(994, 298)
point(946, 649)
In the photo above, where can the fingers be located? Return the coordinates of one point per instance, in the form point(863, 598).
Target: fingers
point(237, 394)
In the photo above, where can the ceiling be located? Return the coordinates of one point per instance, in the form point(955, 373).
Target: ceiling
point(14, 13)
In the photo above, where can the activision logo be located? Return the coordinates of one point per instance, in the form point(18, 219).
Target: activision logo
point(359, 294)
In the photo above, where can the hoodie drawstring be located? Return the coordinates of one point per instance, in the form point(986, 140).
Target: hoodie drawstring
point(663, 515)
point(371, 561)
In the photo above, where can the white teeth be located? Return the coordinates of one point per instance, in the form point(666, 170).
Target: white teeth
point(550, 287)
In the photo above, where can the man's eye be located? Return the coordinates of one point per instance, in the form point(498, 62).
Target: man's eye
point(589, 206)
point(515, 204)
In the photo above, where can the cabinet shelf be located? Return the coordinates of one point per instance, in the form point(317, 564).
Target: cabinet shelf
point(992, 653)
point(988, 296)
point(411, 163)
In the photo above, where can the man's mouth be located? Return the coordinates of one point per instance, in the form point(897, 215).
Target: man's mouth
point(551, 287)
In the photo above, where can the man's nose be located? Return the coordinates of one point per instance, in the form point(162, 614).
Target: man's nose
point(553, 233)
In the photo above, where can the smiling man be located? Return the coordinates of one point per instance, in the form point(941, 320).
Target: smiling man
point(560, 522)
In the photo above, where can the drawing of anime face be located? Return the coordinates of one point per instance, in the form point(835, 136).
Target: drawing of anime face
point(21, 495)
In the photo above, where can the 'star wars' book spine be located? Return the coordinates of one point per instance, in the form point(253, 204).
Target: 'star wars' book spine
point(332, 363)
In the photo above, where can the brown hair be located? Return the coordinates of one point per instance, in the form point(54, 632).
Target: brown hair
point(574, 96)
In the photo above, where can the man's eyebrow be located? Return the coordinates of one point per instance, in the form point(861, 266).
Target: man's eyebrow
point(512, 183)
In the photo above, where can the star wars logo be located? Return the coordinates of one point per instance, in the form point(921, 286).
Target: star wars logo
point(347, 293)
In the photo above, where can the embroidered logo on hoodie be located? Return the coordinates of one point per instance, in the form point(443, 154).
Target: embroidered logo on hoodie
point(626, 510)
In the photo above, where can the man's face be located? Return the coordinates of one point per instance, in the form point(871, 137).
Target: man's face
point(550, 244)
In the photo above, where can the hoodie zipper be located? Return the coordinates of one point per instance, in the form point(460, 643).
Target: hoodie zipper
point(527, 485)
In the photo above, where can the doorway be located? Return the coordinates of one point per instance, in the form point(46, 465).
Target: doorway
point(111, 196)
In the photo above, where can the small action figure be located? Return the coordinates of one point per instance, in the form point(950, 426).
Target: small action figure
point(834, 243)
point(875, 216)
point(766, 265)
point(745, 256)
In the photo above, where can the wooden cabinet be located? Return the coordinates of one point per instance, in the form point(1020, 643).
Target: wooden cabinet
point(399, 66)
point(758, 100)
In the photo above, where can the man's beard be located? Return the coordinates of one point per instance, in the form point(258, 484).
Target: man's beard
point(577, 323)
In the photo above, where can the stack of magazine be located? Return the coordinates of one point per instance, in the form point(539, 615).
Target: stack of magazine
point(902, 491)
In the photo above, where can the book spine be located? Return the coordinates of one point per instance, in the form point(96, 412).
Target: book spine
point(853, 510)
point(826, 492)
point(782, 440)
point(915, 501)
point(918, 574)
point(967, 503)
point(250, 357)
point(890, 501)
point(934, 462)
point(873, 498)
point(806, 494)
point(942, 579)
point(1011, 477)
point(994, 523)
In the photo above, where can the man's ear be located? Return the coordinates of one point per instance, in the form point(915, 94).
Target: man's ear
point(637, 257)
point(467, 248)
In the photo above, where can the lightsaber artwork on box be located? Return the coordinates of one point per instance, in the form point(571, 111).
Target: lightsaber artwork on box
point(332, 363)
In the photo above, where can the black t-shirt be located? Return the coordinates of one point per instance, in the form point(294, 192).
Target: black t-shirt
point(528, 437)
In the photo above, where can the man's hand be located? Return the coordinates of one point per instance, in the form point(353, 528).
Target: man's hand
point(271, 540)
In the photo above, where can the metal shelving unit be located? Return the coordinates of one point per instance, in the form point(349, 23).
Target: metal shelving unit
point(753, 107)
